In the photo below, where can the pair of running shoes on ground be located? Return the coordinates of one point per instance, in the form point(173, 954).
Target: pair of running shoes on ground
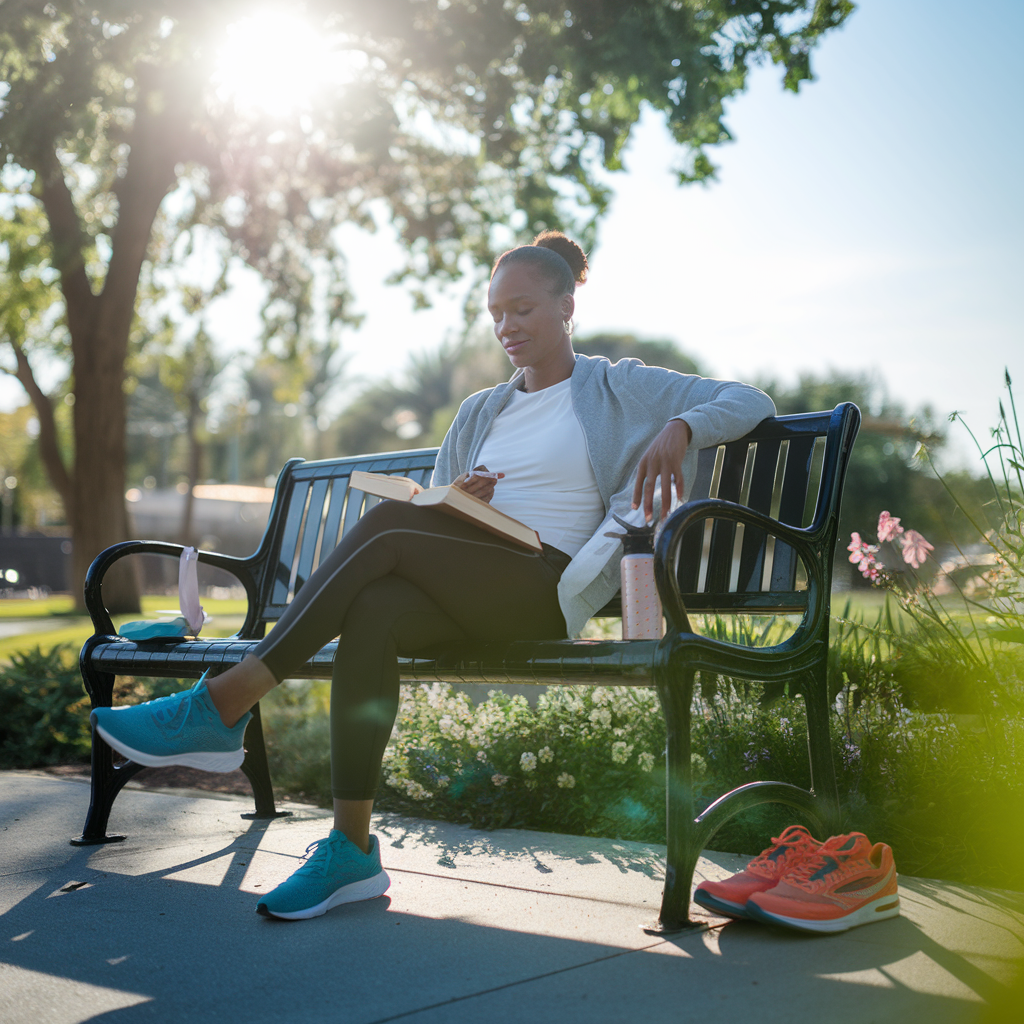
point(186, 729)
point(812, 886)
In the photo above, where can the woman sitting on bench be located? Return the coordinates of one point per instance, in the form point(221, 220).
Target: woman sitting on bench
point(573, 439)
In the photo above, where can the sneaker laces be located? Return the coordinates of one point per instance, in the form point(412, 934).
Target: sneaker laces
point(824, 862)
point(173, 710)
point(318, 858)
point(792, 839)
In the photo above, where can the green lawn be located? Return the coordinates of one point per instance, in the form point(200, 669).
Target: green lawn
point(23, 608)
point(70, 627)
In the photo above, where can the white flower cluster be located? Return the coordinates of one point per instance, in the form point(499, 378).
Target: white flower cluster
point(621, 752)
point(410, 787)
point(440, 731)
point(450, 728)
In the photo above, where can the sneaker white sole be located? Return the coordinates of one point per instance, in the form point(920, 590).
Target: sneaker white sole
point(367, 889)
point(718, 905)
point(208, 761)
point(876, 910)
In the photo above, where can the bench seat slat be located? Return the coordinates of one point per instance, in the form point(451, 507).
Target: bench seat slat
point(496, 662)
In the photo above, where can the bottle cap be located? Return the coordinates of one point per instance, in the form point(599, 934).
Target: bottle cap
point(637, 540)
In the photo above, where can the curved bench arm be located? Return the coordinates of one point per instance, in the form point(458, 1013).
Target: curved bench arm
point(102, 624)
point(806, 541)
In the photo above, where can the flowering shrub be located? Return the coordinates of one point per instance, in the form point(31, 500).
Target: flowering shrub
point(503, 762)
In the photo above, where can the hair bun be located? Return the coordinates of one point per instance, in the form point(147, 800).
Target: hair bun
point(568, 250)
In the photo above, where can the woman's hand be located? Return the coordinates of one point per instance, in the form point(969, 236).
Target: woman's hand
point(664, 458)
point(479, 482)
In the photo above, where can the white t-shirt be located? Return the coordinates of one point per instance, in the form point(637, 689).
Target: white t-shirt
point(549, 484)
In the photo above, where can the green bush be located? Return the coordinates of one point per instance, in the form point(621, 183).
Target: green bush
point(44, 711)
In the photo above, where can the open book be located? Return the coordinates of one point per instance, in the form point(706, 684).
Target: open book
point(453, 500)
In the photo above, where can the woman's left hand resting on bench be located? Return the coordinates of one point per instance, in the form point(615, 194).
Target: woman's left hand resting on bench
point(664, 458)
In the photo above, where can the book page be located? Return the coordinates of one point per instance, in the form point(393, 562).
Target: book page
point(400, 488)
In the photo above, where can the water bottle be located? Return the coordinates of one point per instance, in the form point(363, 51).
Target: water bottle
point(641, 604)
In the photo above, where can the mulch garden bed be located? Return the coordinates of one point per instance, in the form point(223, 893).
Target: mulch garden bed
point(173, 777)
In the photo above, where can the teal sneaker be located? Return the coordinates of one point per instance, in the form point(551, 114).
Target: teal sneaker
point(184, 728)
point(334, 871)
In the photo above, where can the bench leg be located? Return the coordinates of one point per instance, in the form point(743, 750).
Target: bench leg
point(257, 770)
point(819, 749)
point(675, 690)
point(107, 777)
point(107, 780)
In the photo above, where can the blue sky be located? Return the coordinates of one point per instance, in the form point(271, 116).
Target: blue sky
point(871, 223)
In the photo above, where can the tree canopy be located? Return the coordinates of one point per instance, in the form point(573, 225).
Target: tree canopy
point(467, 124)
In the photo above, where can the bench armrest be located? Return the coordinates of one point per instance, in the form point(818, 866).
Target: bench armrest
point(805, 541)
point(102, 624)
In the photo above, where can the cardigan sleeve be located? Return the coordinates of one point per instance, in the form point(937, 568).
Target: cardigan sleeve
point(724, 411)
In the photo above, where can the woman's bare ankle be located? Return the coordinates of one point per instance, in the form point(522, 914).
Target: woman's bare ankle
point(237, 690)
point(352, 818)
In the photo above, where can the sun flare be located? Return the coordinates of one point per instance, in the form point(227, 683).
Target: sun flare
point(278, 63)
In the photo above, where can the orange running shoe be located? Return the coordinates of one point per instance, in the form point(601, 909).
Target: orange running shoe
point(847, 882)
point(764, 872)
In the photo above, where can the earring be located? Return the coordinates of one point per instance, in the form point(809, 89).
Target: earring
point(567, 324)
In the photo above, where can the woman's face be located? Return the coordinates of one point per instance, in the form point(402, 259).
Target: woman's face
point(528, 320)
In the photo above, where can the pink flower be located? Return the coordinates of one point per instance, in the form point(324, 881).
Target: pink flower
point(888, 527)
point(861, 554)
point(855, 546)
point(915, 548)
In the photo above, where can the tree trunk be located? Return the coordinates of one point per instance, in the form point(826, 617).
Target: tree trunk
point(49, 446)
point(99, 517)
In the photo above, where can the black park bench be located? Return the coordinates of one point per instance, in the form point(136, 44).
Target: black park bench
point(756, 537)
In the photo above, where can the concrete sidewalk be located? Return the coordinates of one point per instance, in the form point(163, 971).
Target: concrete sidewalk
point(477, 926)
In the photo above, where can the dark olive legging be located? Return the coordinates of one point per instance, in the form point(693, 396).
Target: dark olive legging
point(404, 578)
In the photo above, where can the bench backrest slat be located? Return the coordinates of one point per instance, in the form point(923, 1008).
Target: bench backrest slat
point(335, 510)
point(290, 535)
point(762, 479)
point(792, 500)
point(723, 534)
point(311, 531)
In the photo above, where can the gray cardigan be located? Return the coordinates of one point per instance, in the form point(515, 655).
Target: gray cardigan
point(621, 407)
